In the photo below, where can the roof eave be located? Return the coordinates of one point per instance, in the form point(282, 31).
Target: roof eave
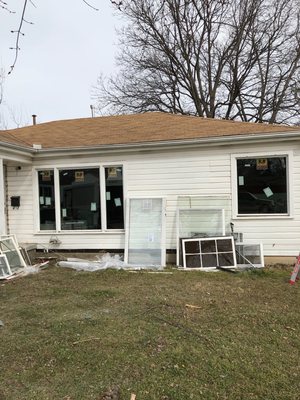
point(17, 149)
point(175, 143)
point(206, 141)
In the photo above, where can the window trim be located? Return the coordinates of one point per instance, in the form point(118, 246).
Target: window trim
point(102, 188)
point(289, 183)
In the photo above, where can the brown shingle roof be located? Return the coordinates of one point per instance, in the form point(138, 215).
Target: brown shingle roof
point(132, 129)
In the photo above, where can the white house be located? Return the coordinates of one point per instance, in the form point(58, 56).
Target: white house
point(66, 182)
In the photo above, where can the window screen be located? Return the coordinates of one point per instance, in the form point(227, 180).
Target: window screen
point(262, 185)
point(209, 252)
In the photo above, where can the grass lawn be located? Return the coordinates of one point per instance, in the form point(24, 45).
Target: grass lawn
point(73, 335)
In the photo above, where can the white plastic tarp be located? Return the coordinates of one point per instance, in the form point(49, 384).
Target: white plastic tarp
point(101, 263)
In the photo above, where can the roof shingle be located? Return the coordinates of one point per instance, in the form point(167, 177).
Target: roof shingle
point(132, 129)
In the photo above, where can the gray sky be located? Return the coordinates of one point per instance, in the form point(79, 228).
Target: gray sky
point(61, 56)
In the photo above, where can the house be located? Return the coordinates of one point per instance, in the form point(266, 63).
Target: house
point(66, 182)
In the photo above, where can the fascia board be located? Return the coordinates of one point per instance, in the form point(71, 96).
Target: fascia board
point(170, 144)
point(18, 154)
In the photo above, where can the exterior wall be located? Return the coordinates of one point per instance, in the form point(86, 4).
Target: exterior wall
point(202, 171)
point(20, 220)
point(2, 200)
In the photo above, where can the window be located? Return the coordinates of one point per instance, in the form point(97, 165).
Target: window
point(80, 199)
point(114, 198)
point(262, 185)
point(69, 199)
point(46, 200)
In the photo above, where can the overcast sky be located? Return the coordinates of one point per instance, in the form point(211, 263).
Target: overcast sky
point(61, 56)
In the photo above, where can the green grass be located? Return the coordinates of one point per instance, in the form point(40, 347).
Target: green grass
point(72, 335)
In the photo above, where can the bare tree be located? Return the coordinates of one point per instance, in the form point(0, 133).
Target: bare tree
point(231, 59)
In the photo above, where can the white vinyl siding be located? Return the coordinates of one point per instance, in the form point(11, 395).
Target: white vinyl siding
point(201, 171)
point(2, 199)
point(20, 220)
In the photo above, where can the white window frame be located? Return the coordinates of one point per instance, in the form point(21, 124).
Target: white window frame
point(102, 188)
point(163, 226)
point(289, 184)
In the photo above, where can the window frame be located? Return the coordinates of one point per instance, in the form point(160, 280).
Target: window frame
point(289, 186)
point(102, 194)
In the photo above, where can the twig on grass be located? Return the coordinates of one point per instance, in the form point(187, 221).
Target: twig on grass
point(192, 306)
point(86, 340)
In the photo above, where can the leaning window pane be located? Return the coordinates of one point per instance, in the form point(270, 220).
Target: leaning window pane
point(114, 197)
point(46, 200)
point(80, 199)
point(262, 185)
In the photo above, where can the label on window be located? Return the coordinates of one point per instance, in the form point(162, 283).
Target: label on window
point(241, 181)
point(112, 172)
point(261, 164)
point(268, 192)
point(147, 204)
point(118, 202)
point(46, 176)
point(79, 176)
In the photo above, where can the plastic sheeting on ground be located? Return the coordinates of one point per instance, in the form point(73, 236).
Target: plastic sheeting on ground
point(104, 262)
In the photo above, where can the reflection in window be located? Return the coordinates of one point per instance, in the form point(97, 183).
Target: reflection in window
point(262, 185)
point(46, 200)
point(80, 199)
point(114, 197)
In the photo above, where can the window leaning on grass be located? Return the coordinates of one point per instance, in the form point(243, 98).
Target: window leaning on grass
point(262, 185)
point(79, 191)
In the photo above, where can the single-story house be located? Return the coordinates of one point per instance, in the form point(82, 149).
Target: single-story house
point(65, 183)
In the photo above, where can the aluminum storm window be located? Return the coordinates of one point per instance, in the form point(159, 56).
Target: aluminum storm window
point(262, 185)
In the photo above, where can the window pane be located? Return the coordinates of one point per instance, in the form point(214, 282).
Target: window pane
point(80, 199)
point(114, 197)
point(145, 231)
point(46, 200)
point(262, 185)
